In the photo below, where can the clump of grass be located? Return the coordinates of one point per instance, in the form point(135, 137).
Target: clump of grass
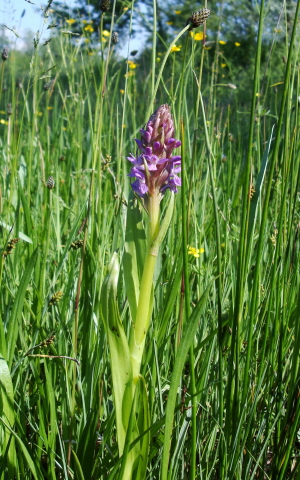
point(221, 361)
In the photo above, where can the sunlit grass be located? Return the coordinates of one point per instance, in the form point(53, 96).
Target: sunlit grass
point(242, 278)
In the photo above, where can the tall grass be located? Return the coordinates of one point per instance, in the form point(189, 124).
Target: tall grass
point(222, 356)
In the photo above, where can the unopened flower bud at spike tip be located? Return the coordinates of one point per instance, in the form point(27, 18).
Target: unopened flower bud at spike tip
point(154, 167)
point(198, 18)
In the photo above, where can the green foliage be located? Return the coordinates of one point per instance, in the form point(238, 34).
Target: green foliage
point(231, 367)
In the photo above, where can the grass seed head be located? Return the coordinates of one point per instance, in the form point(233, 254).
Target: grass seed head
point(56, 297)
point(10, 246)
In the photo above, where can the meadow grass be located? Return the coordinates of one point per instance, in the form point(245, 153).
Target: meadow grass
point(222, 353)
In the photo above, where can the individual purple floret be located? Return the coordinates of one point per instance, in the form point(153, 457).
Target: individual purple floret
point(155, 169)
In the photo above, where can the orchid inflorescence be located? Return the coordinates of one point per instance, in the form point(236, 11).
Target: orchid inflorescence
point(155, 169)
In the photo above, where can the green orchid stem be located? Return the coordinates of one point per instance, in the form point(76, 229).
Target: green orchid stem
point(141, 324)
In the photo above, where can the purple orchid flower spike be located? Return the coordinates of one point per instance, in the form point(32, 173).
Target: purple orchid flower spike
point(154, 168)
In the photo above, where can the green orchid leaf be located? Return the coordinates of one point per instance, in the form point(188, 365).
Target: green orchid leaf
point(119, 350)
point(134, 253)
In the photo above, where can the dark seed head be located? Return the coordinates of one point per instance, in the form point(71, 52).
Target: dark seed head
point(4, 54)
point(49, 85)
point(115, 37)
point(104, 5)
point(50, 182)
point(198, 18)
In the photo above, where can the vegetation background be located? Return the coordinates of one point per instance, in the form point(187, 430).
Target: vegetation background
point(222, 358)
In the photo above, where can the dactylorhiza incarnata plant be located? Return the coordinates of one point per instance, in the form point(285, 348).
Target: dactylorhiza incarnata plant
point(155, 170)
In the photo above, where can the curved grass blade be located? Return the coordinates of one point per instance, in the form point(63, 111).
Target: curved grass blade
point(7, 412)
point(16, 312)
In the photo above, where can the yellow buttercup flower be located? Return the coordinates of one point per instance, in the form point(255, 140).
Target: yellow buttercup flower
point(223, 65)
point(178, 12)
point(176, 49)
point(122, 91)
point(89, 28)
point(70, 21)
point(169, 23)
point(221, 42)
point(237, 44)
point(105, 33)
point(195, 251)
point(199, 36)
point(4, 122)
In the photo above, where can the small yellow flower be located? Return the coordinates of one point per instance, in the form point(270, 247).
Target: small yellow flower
point(276, 30)
point(49, 108)
point(125, 9)
point(169, 23)
point(64, 129)
point(70, 21)
point(158, 59)
point(39, 114)
point(91, 53)
point(87, 40)
point(176, 49)
point(4, 122)
point(237, 44)
point(221, 42)
point(85, 22)
point(178, 12)
point(198, 36)
point(2, 111)
point(124, 126)
point(122, 91)
point(105, 33)
point(223, 65)
point(89, 28)
point(133, 66)
point(195, 251)
point(207, 48)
